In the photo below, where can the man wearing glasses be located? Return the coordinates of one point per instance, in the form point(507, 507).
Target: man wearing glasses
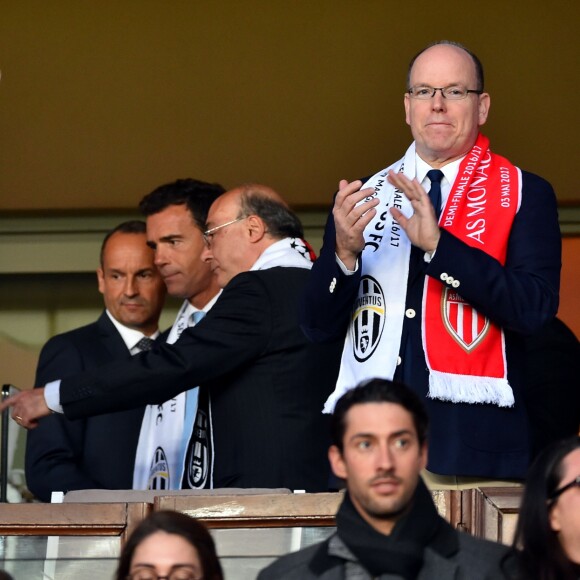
point(438, 289)
point(267, 383)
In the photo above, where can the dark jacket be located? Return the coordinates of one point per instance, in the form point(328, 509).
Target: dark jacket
point(95, 453)
point(267, 383)
point(552, 395)
point(475, 559)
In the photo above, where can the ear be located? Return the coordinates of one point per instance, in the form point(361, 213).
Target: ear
point(256, 228)
point(407, 103)
point(483, 107)
point(424, 455)
point(554, 516)
point(337, 462)
point(101, 280)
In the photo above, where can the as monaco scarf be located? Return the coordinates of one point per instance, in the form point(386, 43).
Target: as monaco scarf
point(464, 350)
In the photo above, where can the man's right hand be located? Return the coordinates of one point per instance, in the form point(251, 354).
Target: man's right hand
point(351, 219)
point(27, 407)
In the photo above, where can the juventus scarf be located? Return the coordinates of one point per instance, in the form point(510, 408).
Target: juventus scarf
point(464, 350)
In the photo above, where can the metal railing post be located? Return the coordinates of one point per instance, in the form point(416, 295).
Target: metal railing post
point(4, 447)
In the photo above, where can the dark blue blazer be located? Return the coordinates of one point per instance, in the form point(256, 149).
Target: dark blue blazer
point(469, 440)
point(95, 453)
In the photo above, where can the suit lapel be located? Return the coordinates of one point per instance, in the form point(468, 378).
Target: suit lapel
point(417, 264)
point(110, 338)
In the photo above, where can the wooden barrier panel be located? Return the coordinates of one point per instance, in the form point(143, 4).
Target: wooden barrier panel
point(274, 510)
point(493, 512)
point(35, 519)
point(256, 511)
point(488, 513)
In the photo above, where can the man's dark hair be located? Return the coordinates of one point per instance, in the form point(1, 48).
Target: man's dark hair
point(476, 62)
point(129, 227)
point(378, 391)
point(281, 222)
point(196, 195)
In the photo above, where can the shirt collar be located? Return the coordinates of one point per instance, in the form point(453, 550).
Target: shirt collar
point(130, 336)
point(450, 170)
point(188, 309)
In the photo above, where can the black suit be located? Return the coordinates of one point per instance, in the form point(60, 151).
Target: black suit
point(95, 453)
point(267, 383)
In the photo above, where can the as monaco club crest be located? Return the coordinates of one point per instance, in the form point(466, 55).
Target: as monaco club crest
point(465, 325)
point(368, 318)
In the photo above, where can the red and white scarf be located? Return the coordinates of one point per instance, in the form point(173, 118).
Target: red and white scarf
point(464, 350)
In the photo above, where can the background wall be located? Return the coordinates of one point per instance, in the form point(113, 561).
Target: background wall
point(100, 102)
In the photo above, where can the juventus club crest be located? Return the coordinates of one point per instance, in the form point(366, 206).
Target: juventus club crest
point(465, 325)
point(159, 472)
point(368, 318)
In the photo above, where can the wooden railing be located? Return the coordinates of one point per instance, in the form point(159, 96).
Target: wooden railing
point(488, 513)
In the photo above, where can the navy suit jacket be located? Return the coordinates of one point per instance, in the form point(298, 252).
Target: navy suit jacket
point(478, 440)
point(95, 453)
point(267, 383)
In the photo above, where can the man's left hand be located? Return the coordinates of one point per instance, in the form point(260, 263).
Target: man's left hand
point(421, 228)
point(27, 407)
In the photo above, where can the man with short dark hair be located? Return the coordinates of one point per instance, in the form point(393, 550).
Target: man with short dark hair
point(439, 290)
point(387, 525)
point(267, 383)
point(99, 452)
point(175, 448)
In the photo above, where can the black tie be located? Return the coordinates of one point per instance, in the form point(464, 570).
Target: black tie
point(435, 176)
point(145, 343)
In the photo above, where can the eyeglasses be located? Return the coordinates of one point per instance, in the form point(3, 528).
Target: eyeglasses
point(177, 573)
point(208, 234)
point(559, 492)
point(452, 92)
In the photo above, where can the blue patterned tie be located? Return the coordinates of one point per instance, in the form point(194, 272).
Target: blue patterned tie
point(435, 176)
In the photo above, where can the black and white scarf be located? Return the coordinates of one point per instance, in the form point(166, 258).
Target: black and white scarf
point(401, 552)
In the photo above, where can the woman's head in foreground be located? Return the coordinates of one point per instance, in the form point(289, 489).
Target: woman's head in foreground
point(548, 530)
point(171, 545)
